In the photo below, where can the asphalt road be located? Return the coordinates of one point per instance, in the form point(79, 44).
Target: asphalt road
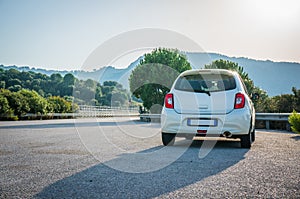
point(124, 158)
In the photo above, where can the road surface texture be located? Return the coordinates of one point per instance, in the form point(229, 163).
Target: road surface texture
point(86, 158)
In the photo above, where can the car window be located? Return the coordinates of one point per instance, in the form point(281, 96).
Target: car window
point(205, 82)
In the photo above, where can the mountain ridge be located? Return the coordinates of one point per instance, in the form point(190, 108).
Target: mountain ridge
point(274, 77)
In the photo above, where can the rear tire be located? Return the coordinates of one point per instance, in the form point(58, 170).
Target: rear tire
point(168, 139)
point(246, 141)
point(253, 135)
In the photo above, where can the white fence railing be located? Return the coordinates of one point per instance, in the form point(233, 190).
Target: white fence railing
point(105, 111)
point(92, 111)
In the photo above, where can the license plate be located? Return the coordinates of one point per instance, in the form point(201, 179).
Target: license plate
point(202, 122)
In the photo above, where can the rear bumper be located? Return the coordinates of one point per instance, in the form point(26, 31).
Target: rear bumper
point(236, 122)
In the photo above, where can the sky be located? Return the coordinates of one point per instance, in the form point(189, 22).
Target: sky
point(62, 34)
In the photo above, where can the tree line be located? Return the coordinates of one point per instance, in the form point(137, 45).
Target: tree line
point(151, 80)
point(15, 105)
point(29, 92)
point(285, 103)
point(153, 77)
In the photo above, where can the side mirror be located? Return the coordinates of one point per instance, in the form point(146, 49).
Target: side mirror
point(254, 96)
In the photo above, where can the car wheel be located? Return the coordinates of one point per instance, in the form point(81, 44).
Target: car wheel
point(253, 135)
point(246, 141)
point(168, 139)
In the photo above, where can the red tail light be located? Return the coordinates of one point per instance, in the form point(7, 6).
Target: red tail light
point(169, 102)
point(239, 101)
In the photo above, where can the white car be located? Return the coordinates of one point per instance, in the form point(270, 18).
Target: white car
point(208, 102)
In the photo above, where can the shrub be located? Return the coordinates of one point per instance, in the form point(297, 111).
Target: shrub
point(294, 120)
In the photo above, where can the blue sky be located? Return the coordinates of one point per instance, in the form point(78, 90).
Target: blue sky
point(62, 34)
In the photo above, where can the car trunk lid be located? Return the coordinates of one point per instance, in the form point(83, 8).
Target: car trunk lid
point(204, 94)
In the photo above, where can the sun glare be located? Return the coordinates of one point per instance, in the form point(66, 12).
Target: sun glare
point(278, 12)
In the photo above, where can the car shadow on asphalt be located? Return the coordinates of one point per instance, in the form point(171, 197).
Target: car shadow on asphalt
point(102, 181)
point(297, 137)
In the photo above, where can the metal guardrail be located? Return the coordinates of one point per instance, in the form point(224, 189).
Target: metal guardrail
point(268, 117)
point(273, 116)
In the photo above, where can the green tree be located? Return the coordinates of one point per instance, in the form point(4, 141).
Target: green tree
point(5, 110)
point(12, 73)
point(60, 105)
point(56, 77)
point(228, 65)
point(106, 90)
point(259, 103)
point(25, 76)
point(90, 84)
point(67, 86)
point(118, 98)
point(152, 79)
point(16, 101)
point(283, 103)
point(110, 83)
point(98, 94)
point(2, 84)
point(296, 93)
point(69, 79)
point(36, 84)
point(15, 88)
point(19, 104)
point(83, 92)
point(53, 85)
point(294, 120)
point(13, 82)
point(37, 104)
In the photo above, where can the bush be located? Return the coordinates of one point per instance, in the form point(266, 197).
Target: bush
point(60, 105)
point(294, 120)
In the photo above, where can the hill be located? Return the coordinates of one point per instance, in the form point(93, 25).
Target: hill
point(274, 77)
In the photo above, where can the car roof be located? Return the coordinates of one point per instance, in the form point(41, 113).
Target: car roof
point(208, 71)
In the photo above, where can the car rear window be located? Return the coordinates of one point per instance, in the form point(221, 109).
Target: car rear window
point(205, 83)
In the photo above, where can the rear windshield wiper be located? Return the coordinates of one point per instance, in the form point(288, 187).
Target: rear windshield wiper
point(202, 91)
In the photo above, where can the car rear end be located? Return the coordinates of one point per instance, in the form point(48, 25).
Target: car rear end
point(207, 102)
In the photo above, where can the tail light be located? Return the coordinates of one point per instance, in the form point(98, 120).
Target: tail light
point(239, 101)
point(169, 102)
